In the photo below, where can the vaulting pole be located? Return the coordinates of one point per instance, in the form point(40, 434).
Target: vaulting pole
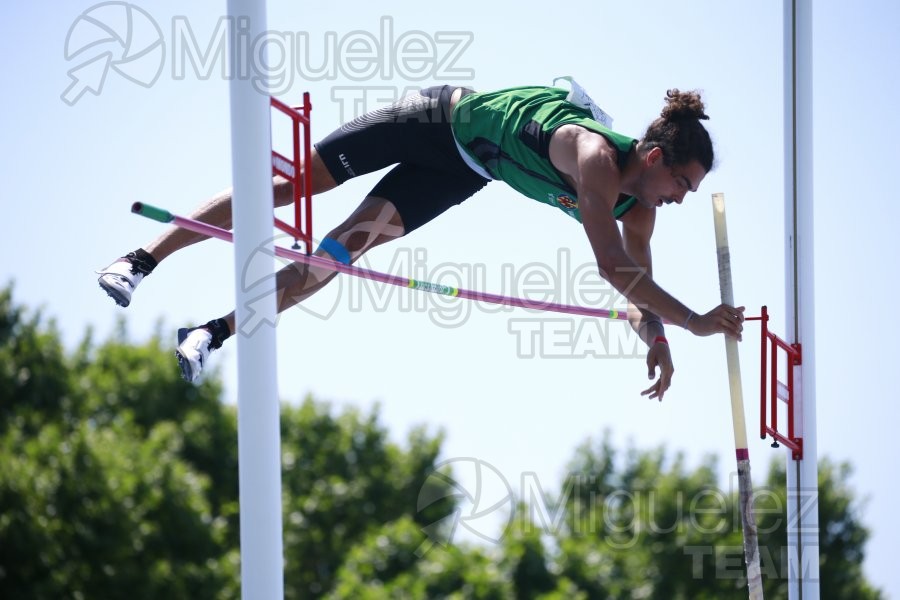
point(745, 483)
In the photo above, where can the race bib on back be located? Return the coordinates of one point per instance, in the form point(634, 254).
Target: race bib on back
point(579, 97)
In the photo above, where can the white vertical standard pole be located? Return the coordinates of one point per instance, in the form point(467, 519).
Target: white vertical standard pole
point(745, 483)
point(802, 476)
point(259, 440)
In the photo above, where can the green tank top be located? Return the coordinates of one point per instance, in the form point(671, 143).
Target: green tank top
point(507, 133)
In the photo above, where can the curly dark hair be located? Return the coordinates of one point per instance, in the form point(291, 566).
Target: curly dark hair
point(679, 132)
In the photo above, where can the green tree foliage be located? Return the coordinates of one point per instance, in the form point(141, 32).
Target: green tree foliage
point(396, 562)
point(344, 479)
point(34, 380)
point(842, 537)
point(103, 513)
point(646, 527)
point(119, 480)
point(103, 492)
point(632, 530)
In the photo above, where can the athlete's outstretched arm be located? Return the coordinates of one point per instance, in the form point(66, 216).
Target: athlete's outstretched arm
point(589, 163)
point(637, 231)
point(638, 225)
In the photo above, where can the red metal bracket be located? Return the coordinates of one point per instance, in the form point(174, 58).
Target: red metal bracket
point(777, 390)
point(292, 170)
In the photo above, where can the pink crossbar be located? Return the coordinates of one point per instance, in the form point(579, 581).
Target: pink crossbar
point(318, 261)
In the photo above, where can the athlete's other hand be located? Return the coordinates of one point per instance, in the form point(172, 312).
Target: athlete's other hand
point(659, 356)
point(722, 319)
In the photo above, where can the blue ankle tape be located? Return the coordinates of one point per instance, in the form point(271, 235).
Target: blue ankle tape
point(336, 250)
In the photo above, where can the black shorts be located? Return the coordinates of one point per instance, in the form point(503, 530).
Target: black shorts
point(414, 132)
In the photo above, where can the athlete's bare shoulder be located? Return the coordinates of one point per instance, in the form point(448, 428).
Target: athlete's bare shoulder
point(576, 151)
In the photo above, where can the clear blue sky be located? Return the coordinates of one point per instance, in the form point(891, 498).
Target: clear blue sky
point(70, 174)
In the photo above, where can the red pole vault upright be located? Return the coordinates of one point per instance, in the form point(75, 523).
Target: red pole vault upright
point(292, 170)
point(773, 389)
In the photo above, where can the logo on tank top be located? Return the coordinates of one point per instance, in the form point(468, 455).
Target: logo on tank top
point(566, 201)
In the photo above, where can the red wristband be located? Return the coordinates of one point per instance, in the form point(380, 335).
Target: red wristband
point(661, 338)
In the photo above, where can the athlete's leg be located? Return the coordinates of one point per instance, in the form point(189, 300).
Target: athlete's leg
point(371, 141)
point(120, 279)
point(217, 211)
point(431, 178)
point(375, 222)
point(403, 200)
point(414, 130)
